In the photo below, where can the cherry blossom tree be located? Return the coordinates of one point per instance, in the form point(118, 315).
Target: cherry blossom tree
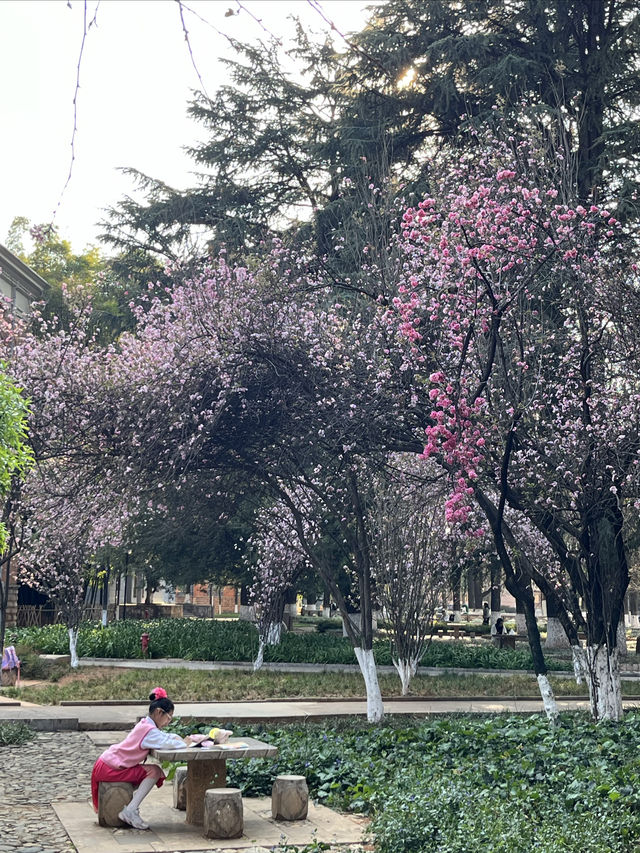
point(57, 564)
point(527, 304)
point(277, 559)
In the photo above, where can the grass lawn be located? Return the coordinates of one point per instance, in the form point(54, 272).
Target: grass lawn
point(193, 685)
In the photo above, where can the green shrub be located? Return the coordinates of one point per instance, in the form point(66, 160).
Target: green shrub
point(206, 639)
point(14, 733)
point(507, 784)
point(31, 665)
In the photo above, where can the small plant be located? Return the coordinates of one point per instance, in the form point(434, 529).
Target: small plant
point(15, 734)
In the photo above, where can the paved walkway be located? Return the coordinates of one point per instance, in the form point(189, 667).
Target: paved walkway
point(45, 807)
point(119, 715)
point(44, 783)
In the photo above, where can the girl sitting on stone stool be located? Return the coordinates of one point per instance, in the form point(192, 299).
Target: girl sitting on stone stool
point(124, 761)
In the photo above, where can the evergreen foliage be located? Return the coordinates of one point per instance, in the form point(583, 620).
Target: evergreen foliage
point(283, 150)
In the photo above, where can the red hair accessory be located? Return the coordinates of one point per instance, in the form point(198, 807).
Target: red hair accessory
point(159, 693)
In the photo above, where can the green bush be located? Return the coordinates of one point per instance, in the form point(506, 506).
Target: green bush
point(14, 733)
point(467, 785)
point(206, 639)
point(31, 665)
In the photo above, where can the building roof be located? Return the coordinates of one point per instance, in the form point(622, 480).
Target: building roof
point(19, 275)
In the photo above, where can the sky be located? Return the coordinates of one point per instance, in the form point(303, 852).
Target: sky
point(136, 78)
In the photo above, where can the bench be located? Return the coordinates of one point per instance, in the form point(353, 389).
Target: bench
point(223, 815)
point(504, 641)
point(289, 798)
point(112, 798)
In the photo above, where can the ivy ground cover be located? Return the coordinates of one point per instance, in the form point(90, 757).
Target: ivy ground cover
point(203, 639)
point(467, 785)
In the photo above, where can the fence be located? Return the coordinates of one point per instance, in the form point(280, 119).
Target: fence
point(35, 615)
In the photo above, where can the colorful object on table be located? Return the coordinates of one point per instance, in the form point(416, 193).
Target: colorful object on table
point(196, 740)
point(220, 735)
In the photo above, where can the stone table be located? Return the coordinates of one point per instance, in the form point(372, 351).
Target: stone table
point(207, 768)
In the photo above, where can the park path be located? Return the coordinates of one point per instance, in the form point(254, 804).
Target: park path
point(116, 715)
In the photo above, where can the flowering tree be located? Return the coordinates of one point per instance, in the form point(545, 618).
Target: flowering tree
point(56, 564)
point(411, 557)
point(525, 302)
point(277, 559)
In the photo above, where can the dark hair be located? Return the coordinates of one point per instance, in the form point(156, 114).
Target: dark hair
point(163, 703)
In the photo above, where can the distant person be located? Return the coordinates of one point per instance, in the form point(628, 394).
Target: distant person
point(124, 761)
point(486, 613)
point(499, 626)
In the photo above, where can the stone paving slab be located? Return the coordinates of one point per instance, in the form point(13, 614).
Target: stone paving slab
point(169, 831)
point(97, 716)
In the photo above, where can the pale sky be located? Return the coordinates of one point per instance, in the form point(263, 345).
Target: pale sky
point(136, 79)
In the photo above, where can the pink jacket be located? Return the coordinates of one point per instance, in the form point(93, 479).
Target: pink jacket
point(130, 751)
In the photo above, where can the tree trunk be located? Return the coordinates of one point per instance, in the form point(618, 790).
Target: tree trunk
point(496, 576)
point(257, 664)
point(556, 635)
point(375, 708)
point(621, 640)
point(326, 604)
point(73, 641)
point(521, 619)
point(406, 669)
point(456, 577)
point(602, 674)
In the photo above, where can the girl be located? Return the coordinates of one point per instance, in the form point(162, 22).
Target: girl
point(124, 761)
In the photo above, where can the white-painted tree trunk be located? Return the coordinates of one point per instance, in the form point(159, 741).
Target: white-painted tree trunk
point(457, 616)
point(556, 635)
point(493, 617)
point(375, 708)
point(73, 642)
point(621, 639)
point(257, 664)
point(602, 673)
point(521, 623)
point(247, 612)
point(406, 669)
point(548, 699)
point(273, 634)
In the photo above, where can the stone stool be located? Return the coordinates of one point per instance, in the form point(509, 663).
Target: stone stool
point(180, 789)
point(223, 817)
point(112, 798)
point(289, 798)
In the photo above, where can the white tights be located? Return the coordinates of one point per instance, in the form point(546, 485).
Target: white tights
point(141, 791)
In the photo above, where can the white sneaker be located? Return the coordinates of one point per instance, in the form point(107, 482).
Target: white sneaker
point(132, 817)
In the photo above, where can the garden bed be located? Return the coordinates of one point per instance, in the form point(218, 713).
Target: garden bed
point(507, 784)
point(205, 639)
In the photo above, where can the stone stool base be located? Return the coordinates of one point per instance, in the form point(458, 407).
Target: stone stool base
point(180, 789)
point(289, 798)
point(223, 816)
point(112, 798)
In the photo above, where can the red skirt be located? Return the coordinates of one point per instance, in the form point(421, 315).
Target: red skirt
point(136, 774)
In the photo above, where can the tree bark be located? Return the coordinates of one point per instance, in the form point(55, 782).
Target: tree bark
point(556, 635)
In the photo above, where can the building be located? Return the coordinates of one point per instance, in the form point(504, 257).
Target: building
point(19, 284)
